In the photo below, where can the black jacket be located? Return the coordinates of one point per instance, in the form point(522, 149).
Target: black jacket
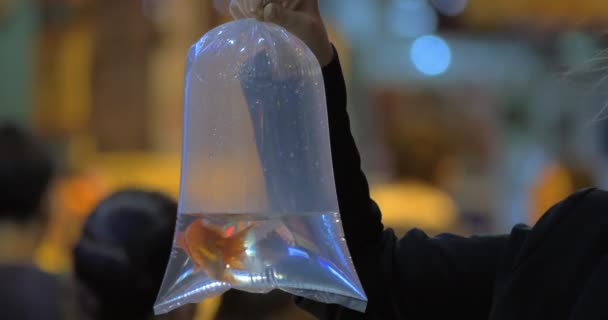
point(27, 293)
point(556, 270)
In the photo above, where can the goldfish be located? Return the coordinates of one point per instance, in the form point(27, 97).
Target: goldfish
point(212, 250)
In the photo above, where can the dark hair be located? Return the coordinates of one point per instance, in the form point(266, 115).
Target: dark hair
point(26, 170)
point(121, 256)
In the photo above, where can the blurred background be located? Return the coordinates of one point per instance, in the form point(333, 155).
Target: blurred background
point(471, 115)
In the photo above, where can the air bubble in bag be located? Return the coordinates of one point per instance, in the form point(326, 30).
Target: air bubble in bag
point(258, 209)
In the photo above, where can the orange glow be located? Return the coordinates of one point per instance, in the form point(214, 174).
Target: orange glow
point(553, 185)
point(411, 204)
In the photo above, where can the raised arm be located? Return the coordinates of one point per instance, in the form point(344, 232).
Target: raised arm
point(360, 216)
point(415, 277)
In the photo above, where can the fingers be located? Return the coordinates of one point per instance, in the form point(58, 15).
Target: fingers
point(251, 6)
point(236, 11)
point(276, 13)
point(241, 9)
point(293, 4)
point(259, 8)
point(271, 13)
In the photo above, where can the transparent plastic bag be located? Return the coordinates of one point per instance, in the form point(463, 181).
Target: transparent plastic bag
point(258, 208)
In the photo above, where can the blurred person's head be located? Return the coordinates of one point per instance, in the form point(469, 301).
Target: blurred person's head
point(121, 257)
point(26, 171)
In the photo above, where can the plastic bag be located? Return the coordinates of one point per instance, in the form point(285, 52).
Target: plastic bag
point(258, 208)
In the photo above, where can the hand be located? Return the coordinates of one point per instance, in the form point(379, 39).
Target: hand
point(300, 17)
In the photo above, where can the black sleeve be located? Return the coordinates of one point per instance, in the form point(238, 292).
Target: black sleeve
point(416, 277)
point(363, 222)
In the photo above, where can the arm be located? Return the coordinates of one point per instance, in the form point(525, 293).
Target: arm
point(415, 277)
point(364, 226)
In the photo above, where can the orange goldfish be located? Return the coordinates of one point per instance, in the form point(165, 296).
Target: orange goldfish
point(212, 251)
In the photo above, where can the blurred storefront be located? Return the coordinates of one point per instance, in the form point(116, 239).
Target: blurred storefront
point(510, 74)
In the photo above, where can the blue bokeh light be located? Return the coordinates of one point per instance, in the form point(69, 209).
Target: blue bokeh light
point(431, 55)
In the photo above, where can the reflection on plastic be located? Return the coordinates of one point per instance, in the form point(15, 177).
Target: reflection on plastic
point(258, 207)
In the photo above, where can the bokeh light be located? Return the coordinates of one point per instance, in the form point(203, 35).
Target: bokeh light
point(431, 55)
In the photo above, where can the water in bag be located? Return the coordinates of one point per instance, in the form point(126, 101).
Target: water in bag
point(258, 209)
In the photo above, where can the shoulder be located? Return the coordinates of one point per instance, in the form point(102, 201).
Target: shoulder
point(587, 204)
point(581, 212)
point(577, 222)
point(593, 199)
point(27, 285)
point(26, 275)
